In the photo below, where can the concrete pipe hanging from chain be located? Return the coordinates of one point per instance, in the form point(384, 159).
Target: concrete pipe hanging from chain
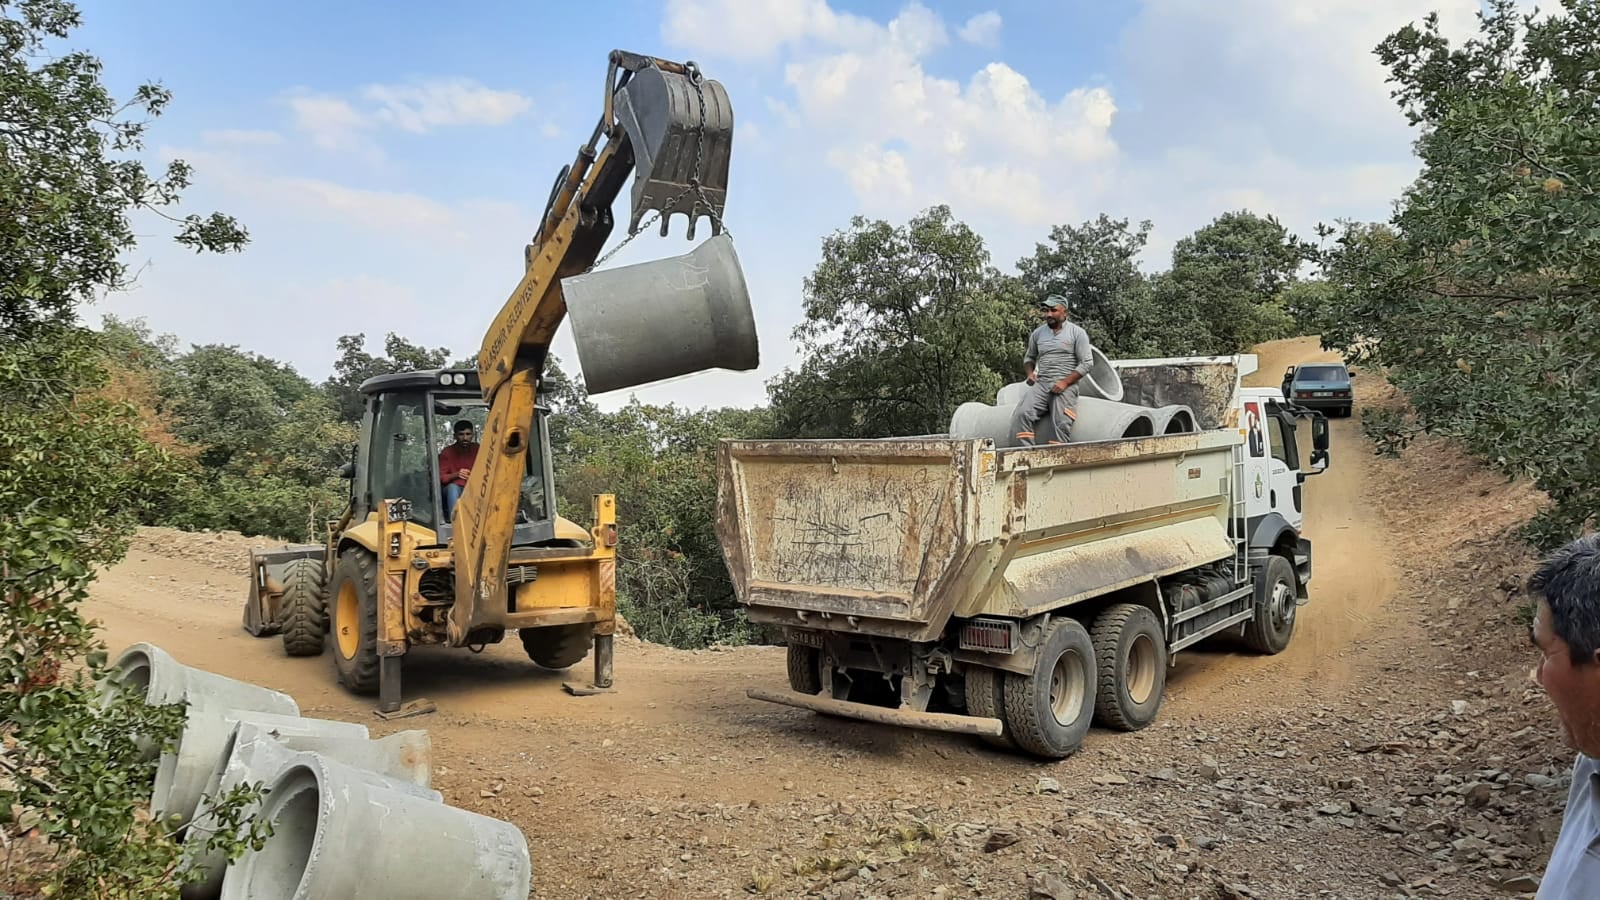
point(327, 815)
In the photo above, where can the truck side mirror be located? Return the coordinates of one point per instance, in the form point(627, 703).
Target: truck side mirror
point(1319, 442)
point(348, 470)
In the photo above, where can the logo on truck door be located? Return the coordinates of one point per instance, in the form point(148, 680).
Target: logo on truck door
point(1252, 424)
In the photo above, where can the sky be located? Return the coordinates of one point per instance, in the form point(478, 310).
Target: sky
point(390, 161)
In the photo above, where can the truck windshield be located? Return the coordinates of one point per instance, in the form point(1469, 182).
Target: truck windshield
point(448, 410)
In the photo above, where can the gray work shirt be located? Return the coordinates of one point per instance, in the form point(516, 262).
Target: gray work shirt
point(1574, 869)
point(1055, 354)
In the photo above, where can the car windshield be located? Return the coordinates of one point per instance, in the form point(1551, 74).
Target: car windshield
point(1319, 373)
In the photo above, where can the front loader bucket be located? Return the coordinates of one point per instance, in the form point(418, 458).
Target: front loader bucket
point(681, 129)
point(261, 609)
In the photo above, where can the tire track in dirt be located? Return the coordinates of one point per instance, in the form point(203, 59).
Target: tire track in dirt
point(1353, 576)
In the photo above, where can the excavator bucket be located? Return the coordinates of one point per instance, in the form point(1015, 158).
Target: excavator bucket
point(681, 130)
point(262, 609)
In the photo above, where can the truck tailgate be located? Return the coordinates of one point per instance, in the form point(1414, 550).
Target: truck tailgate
point(871, 529)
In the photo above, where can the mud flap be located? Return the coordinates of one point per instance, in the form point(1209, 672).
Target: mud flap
point(681, 130)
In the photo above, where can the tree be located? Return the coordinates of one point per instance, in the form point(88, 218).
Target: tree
point(1095, 265)
point(1481, 297)
point(64, 203)
point(76, 471)
point(1227, 276)
point(660, 461)
point(356, 365)
point(902, 325)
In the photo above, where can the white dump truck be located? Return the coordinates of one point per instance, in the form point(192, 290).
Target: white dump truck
point(951, 582)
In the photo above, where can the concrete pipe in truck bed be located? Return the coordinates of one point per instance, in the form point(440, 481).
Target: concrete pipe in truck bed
point(944, 583)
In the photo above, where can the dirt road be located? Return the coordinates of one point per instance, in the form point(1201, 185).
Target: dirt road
point(1254, 781)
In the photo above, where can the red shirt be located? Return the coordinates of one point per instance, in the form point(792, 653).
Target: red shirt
point(454, 457)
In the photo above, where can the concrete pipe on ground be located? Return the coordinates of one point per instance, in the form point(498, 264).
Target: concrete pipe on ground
point(163, 680)
point(343, 831)
point(256, 754)
point(183, 773)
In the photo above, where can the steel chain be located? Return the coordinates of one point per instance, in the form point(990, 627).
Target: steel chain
point(695, 78)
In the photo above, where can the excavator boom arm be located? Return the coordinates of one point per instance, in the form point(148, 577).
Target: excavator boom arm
point(672, 127)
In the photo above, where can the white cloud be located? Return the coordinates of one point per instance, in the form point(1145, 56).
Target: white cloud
point(400, 214)
point(905, 138)
point(757, 29)
point(337, 123)
point(240, 136)
point(420, 107)
point(982, 29)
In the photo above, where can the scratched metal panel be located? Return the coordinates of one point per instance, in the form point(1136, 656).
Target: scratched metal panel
point(1205, 387)
point(873, 533)
point(1056, 577)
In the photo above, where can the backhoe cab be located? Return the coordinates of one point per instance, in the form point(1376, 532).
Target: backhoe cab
point(396, 570)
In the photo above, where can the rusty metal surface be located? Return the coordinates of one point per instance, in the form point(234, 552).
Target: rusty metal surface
point(1205, 387)
point(892, 538)
point(1059, 577)
point(951, 722)
point(862, 527)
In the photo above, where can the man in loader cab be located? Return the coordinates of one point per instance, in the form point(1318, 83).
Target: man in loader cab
point(1058, 355)
point(455, 464)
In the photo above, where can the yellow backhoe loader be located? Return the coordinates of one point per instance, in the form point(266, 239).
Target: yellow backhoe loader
point(397, 570)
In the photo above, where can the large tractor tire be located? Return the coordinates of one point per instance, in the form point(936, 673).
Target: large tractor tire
point(558, 646)
point(1269, 632)
point(1131, 653)
point(1049, 710)
point(805, 669)
point(304, 607)
point(353, 621)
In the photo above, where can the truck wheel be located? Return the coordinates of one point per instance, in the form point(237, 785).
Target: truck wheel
point(558, 646)
point(1273, 625)
point(805, 669)
point(353, 620)
point(986, 698)
point(1049, 710)
point(304, 606)
point(1131, 654)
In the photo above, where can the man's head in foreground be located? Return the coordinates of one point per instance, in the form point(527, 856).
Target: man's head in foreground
point(1566, 631)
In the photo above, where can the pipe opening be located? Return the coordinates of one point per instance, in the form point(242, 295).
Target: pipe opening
point(281, 864)
point(1180, 423)
point(1141, 426)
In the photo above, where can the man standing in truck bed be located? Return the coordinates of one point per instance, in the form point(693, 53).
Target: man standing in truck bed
point(1058, 355)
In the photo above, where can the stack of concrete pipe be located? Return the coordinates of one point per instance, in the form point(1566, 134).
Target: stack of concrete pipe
point(1101, 416)
point(333, 794)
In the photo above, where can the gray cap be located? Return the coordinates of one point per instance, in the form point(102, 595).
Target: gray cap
point(1054, 300)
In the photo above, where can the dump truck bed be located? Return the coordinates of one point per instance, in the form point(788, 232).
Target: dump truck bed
point(893, 537)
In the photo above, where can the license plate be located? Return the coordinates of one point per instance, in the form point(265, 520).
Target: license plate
point(1324, 393)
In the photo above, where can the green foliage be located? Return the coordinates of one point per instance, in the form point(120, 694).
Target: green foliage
point(1222, 294)
point(672, 583)
point(64, 203)
point(356, 365)
point(77, 467)
point(1481, 297)
point(1095, 266)
point(902, 325)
